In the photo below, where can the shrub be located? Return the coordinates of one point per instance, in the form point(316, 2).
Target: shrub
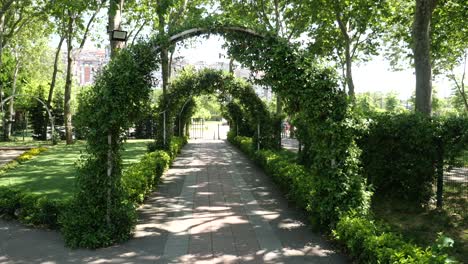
point(9, 201)
point(30, 154)
point(370, 242)
point(140, 178)
point(85, 225)
point(399, 153)
point(366, 240)
point(31, 209)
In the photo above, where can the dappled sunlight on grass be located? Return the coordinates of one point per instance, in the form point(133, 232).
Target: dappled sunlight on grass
point(52, 173)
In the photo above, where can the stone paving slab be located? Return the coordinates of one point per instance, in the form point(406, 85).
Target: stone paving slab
point(214, 206)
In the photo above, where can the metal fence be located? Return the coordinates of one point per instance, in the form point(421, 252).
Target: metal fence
point(197, 128)
point(455, 188)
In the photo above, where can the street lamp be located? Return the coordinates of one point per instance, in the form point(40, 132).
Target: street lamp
point(119, 35)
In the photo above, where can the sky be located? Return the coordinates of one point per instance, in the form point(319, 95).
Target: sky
point(375, 75)
point(372, 76)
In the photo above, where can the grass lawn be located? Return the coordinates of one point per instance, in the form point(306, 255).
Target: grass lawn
point(52, 173)
point(422, 225)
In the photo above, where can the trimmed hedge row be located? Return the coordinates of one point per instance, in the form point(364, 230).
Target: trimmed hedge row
point(141, 178)
point(371, 242)
point(367, 241)
point(402, 153)
point(138, 180)
point(30, 209)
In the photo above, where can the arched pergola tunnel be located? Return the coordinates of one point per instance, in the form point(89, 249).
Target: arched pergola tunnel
point(122, 89)
point(243, 107)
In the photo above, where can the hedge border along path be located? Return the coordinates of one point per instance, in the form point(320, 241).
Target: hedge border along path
point(39, 210)
point(366, 240)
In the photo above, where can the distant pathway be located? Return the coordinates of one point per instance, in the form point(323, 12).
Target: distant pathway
point(214, 206)
point(7, 155)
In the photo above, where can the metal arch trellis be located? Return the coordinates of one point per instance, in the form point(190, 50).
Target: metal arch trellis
point(51, 117)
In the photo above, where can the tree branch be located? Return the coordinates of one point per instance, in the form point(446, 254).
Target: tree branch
point(90, 22)
point(138, 32)
point(264, 15)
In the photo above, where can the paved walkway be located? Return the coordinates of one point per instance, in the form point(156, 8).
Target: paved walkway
point(8, 155)
point(213, 207)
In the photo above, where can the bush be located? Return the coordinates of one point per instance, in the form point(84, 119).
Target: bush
point(140, 178)
point(31, 209)
point(365, 240)
point(370, 242)
point(85, 225)
point(399, 153)
point(30, 154)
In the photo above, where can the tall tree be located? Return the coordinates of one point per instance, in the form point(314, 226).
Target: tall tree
point(278, 17)
point(421, 33)
point(435, 44)
point(77, 29)
point(346, 31)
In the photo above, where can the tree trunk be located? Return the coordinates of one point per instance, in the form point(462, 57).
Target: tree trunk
point(12, 102)
point(349, 72)
point(169, 67)
point(115, 21)
point(231, 65)
point(68, 82)
point(2, 24)
point(54, 74)
point(164, 69)
point(164, 52)
point(422, 54)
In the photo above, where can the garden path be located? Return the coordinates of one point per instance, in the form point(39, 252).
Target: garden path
point(214, 206)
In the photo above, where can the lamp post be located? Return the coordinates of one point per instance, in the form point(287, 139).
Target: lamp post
point(119, 35)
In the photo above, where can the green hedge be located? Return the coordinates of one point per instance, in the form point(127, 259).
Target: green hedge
point(140, 178)
point(367, 241)
point(138, 181)
point(401, 153)
point(30, 209)
point(370, 242)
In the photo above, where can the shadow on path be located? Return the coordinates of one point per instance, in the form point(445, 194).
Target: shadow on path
point(214, 206)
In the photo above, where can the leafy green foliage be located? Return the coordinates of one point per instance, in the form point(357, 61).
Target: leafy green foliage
point(370, 242)
point(402, 151)
point(29, 208)
point(366, 240)
point(99, 214)
point(301, 184)
point(142, 177)
point(399, 153)
point(38, 114)
point(230, 89)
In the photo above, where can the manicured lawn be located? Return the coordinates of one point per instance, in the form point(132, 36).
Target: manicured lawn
point(52, 173)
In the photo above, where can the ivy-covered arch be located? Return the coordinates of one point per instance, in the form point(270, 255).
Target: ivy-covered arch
point(243, 106)
point(101, 215)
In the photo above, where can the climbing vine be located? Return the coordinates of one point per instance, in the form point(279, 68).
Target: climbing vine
point(99, 214)
point(323, 118)
point(230, 90)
